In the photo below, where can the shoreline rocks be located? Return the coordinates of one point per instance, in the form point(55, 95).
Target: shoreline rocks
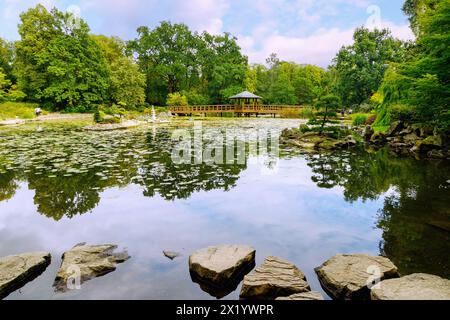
point(274, 278)
point(416, 286)
point(346, 276)
point(87, 262)
point(415, 140)
point(313, 141)
point(18, 270)
point(219, 269)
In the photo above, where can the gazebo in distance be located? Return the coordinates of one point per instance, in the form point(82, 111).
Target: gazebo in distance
point(242, 104)
point(246, 98)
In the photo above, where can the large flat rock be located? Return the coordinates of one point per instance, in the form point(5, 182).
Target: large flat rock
point(86, 262)
point(220, 265)
point(416, 286)
point(274, 278)
point(347, 276)
point(311, 295)
point(17, 270)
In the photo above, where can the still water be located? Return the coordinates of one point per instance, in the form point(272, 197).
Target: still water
point(60, 185)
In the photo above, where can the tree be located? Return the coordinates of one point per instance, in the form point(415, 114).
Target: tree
point(167, 56)
point(126, 82)
point(57, 63)
point(418, 89)
point(6, 59)
point(328, 103)
point(176, 99)
point(360, 67)
point(4, 84)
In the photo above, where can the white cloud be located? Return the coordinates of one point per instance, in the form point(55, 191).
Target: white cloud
point(201, 15)
point(317, 49)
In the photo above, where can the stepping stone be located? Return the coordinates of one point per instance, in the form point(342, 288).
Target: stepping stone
point(220, 265)
point(347, 276)
point(18, 270)
point(87, 262)
point(274, 278)
point(416, 286)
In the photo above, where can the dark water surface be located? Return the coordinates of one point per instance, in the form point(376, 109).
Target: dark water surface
point(60, 186)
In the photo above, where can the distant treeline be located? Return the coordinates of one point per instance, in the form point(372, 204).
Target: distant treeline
point(60, 65)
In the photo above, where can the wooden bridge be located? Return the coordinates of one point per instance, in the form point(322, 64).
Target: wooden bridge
point(246, 109)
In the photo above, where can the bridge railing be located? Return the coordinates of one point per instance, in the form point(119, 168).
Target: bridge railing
point(232, 108)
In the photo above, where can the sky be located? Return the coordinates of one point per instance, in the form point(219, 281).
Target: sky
point(302, 31)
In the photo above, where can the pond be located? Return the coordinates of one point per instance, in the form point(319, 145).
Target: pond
point(60, 185)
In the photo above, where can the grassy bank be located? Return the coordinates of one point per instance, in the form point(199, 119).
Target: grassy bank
point(13, 110)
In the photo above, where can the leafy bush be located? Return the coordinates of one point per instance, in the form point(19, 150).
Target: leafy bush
point(99, 116)
point(307, 112)
point(359, 119)
point(176, 99)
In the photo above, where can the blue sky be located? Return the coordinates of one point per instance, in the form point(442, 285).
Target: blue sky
point(304, 31)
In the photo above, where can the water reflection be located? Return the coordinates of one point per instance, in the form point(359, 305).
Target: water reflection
point(70, 172)
point(415, 215)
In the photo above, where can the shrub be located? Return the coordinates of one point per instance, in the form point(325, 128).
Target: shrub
point(359, 119)
point(99, 116)
point(22, 110)
point(176, 99)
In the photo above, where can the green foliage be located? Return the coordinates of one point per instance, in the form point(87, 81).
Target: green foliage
point(327, 104)
point(57, 62)
point(176, 99)
point(174, 59)
point(359, 119)
point(359, 68)
point(195, 98)
point(99, 116)
point(290, 83)
point(126, 82)
point(417, 89)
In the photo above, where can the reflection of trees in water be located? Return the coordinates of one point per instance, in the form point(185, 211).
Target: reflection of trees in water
point(8, 185)
point(144, 159)
point(415, 216)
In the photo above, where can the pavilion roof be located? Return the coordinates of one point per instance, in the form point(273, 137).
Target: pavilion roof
point(245, 95)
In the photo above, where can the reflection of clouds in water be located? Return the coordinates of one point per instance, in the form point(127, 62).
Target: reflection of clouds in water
point(283, 214)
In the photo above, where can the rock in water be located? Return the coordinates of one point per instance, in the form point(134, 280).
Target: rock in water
point(346, 276)
point(221, 265)
point(16, 271)
point(416, 286)
point(87, 262)
point(311, 295)
point(171, 254)
point(274, 278)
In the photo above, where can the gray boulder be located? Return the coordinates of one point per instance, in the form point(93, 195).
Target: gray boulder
point(220, 265)
point(417, 286)
point(18, 270)
point(274, 278)
point(87, 262)
point(347, 276)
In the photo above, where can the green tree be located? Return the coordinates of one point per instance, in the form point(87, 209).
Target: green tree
point(328, 103)
point(360, 67)
point(176, 99)
point(418, 89)
point(126, 82)
point(57, 62)
point(6, 59)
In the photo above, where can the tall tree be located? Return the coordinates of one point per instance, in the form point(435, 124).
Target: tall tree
point(418, 89)
point(360, 67)
point(126, 82)
point(57, 62)
point(6, 59)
